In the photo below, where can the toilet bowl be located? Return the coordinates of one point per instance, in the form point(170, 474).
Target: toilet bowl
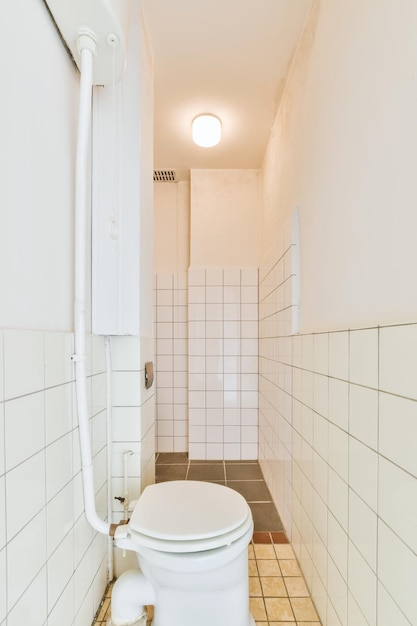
point(191, 542)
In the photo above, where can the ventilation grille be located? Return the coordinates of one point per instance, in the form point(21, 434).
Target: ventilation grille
point(164, 176)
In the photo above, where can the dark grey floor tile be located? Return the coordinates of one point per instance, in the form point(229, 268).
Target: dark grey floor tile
point(209, 471)
point(170, 472)
point(163, 458)
point(251, 490)
point(265, 517)
point(243, 471)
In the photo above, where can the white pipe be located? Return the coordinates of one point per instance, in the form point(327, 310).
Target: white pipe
point(109, 440)
point(125, 484)
point(131, 593)
point(87, 46)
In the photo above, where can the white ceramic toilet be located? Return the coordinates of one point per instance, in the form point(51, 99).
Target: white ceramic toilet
point(191, 541)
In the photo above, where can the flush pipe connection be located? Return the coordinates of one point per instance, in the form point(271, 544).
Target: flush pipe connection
point(131, 593)
point(87, 47)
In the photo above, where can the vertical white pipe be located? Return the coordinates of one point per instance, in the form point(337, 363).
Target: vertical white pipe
point(80, 356)
point(109, 440)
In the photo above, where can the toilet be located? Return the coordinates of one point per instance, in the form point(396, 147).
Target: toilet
point(191, 540)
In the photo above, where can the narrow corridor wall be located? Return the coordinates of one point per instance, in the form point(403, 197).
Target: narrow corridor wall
point(343, 149)
point(338, 402)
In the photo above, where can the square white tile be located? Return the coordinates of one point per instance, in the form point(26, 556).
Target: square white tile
point(395, 557)
point(363, 415)
point(397, 501)
point(24, 415)
point(398, 431)
point(363, 472)
point(363, 528)
point(28, 546)
point(363, 584)
point(27, 480)
point(339, 403)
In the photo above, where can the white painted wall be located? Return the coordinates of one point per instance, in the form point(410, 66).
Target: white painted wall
point(225, 208)
point(172, 227)
point(38, 130)
point(343, 149)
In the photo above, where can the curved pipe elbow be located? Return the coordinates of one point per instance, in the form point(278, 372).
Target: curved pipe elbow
point(131, 593)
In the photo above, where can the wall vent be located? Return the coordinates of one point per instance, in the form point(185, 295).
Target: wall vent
point(164, 176)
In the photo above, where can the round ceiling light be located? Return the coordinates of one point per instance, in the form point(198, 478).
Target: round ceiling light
point(207, 130)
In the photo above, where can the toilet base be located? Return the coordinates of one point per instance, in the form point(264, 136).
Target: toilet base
point(218, 597)
point(251, 622)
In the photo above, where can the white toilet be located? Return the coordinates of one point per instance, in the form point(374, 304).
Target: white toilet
point(191, 542)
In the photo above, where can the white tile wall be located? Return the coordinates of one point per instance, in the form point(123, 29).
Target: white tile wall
point(171, 332)
point(207, 362)
point(223, 366)
point(50, 558)
point(349, 427)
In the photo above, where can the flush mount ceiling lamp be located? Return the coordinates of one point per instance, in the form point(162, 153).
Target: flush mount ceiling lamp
point(207, 130)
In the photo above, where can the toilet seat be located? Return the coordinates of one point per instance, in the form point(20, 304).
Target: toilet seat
point(189, 516)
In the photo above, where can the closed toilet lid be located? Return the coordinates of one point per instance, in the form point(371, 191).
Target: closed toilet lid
point(186, 511)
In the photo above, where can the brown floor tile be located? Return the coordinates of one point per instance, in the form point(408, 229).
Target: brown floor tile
point(279, 537)
point(265, 517)
point(163, 458)
point(268, 568)
point(284, 551)
point(279, 609)
point(253, 570)
point(257, 609)
point(296, 587)
point(262, 538)
point(209, 471)
point(164, 473)
point(255, 589)
point(251, 490)
point(264, 551)
point(243, 471)
point(289, 567)
point(304, 609)
point(273, 587)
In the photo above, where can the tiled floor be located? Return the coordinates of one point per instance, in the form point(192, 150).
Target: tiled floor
point(278, 594)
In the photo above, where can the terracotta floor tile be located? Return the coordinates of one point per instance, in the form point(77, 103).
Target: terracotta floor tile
point(261, 538)
point(252, 568)
point(268, 568)
point(289, 567)
point(279, 609)
point(263, 551)
point(304, 609)
point(273, 587)
point(296, 587)
point(257, 609)
point(255, 589)
point(251, 552)
point(279, 537)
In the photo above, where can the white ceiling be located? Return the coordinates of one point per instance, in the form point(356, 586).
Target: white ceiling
point(226, 57)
